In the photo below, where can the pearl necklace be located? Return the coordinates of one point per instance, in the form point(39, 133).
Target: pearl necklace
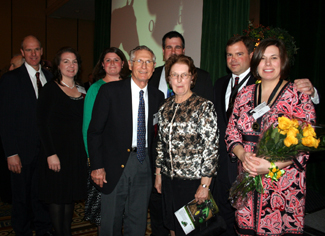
point(68, 85)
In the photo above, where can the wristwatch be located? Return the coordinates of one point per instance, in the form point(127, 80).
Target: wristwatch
point(204, 185)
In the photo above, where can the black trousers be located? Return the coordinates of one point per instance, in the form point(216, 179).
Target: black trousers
point(156, 214)
point(5, 183)
point(26, 207)
point(176, 193)
point(221, 194)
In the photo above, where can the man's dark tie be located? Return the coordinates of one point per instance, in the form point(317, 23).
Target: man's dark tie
point(141, 132)
point(232, 98)
point(39, 84)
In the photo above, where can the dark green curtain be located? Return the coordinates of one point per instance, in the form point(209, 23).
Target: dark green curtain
point(222, 19)
point(102, 27)
point(306, 24)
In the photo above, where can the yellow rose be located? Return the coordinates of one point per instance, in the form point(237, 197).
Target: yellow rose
point(310, 141)
point(284, 132)
point(309, 131)
point(290, 140)
point(271, 174)
point(317, 141)
point(274, 169)
point(278, 175)
point(284, 123)
point(295, 123)
point(292, 132)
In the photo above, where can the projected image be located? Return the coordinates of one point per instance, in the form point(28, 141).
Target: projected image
point(140, 22)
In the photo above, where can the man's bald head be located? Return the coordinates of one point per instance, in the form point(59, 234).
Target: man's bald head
point(16, 62)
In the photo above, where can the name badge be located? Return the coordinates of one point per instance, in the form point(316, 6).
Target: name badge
point(259, 111)
point(155, 118)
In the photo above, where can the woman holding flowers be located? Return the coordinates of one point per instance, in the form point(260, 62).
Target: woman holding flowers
point(279, 208)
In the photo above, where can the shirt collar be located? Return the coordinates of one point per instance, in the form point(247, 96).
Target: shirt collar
point(136, 89)
point(241, 76)
point(31, 70)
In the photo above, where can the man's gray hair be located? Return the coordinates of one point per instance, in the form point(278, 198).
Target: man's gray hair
point(142, 47)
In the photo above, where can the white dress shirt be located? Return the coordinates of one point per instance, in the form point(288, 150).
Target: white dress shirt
point(163, 87)
point(135, 94)
point(32, 76)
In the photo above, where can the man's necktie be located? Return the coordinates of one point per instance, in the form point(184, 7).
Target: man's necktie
point(232, 98)
point(39, 84)
point(141, 132)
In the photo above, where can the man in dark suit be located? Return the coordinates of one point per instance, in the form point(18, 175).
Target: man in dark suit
point(120, 157)
point(173, 43)
point(5, 183)
point(19, 91)
point(239, 51)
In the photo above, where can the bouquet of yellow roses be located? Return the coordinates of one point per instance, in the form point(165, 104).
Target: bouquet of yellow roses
point(280, 142)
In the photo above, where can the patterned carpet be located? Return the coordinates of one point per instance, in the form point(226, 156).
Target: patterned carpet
point(79, 226)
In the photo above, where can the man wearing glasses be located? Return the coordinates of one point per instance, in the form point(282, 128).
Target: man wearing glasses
point(120, 142)
point(174, 43)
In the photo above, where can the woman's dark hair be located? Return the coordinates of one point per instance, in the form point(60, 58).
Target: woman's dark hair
point(181, 59)
point(56, 62)
point(99, 72)
point(258, 54)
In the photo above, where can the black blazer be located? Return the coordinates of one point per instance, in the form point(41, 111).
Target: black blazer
point(110, 129)
point(226, 167)
point(203, 86)
point(18, 103)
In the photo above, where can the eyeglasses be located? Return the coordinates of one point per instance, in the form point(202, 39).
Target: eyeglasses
point(183, 76)
point(140, 62)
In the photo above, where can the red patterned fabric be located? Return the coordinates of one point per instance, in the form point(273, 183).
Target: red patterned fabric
point(280, 209)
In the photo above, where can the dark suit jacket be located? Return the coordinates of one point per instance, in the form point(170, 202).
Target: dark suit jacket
point(18, 127)
point(227, 169)
point(110, 129)
point(203, 86)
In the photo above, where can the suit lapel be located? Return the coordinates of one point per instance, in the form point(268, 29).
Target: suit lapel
point(26, 83)
point(251, 80)
point(223, 96)
point(155, 78)
point(127, 104)
point(47, 75)
point(152, 108)
point(151, 101)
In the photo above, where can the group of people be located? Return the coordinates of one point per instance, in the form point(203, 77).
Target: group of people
point(144, 137)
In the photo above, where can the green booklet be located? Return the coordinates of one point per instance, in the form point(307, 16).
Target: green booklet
point(192, 214)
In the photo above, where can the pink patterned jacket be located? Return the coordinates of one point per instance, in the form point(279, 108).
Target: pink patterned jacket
point(280, 209)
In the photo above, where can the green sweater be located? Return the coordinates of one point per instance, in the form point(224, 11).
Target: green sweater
point(88, 108)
